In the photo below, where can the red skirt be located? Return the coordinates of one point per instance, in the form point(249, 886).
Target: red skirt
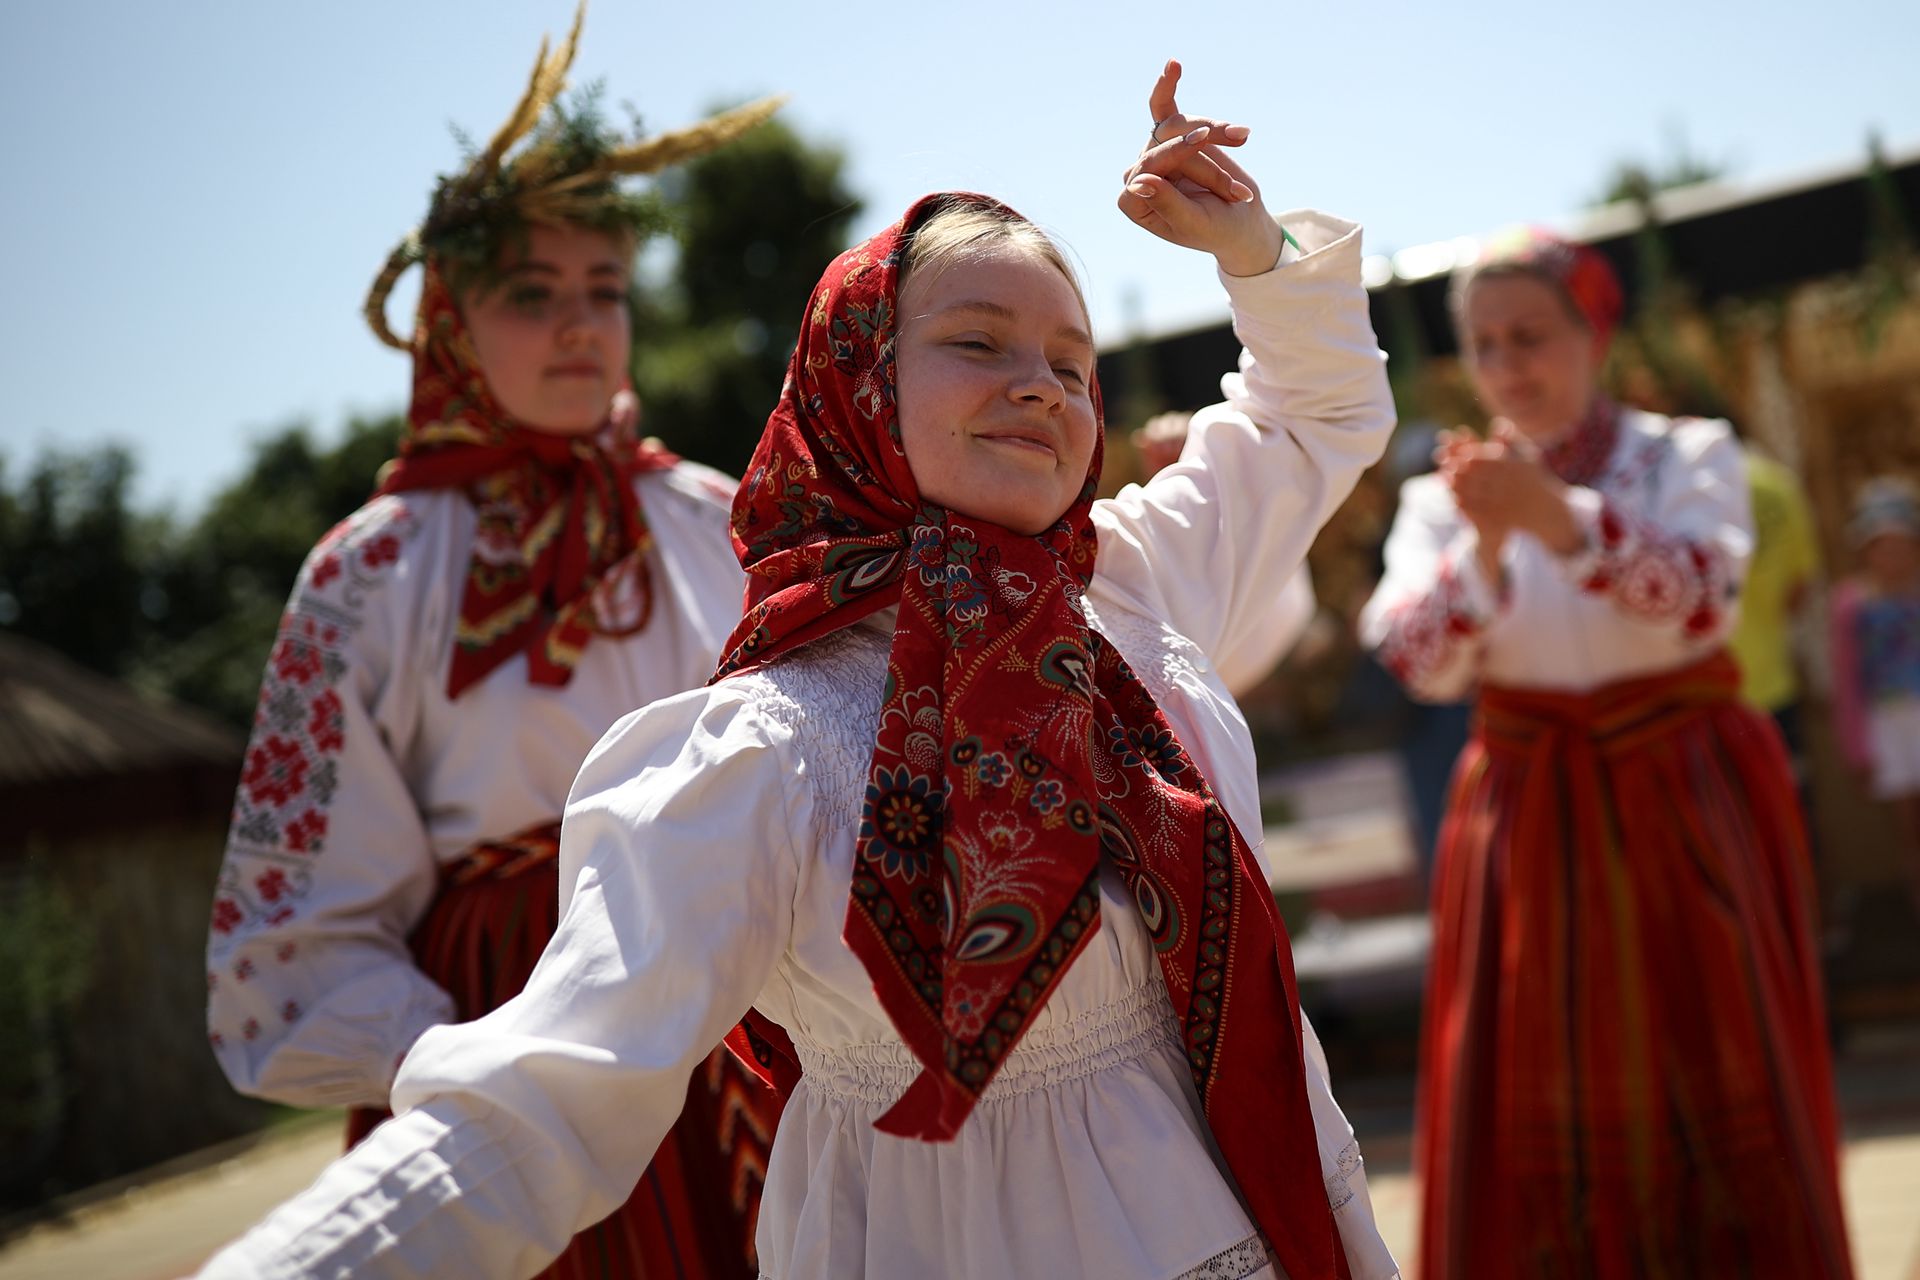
point(1624, 1067)
point(691, 1217)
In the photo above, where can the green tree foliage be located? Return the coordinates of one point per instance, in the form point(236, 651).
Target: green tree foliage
point(1661, 296)
point(221, 589)
point(187, 611)
point(71, 567)
point(46, 944)
point(1636, 180)
point(756, 223)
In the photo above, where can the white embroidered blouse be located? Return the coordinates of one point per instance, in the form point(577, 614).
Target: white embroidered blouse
point(706, 861)
point(362, 778)
point(1655, 587)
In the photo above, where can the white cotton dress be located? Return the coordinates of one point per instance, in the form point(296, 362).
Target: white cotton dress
point(706, 859)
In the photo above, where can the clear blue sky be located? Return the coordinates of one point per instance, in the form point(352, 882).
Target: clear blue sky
point(196, 194)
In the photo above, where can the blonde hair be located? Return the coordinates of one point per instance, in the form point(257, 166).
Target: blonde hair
point(967, 230)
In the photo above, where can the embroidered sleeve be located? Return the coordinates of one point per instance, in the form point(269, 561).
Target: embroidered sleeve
point(1653, 575)
point(312, 997)
point(1680, 560)
point(1430, 640)
point(1428, 618)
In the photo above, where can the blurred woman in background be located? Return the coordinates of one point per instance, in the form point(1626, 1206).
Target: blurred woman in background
point(1624, 1062)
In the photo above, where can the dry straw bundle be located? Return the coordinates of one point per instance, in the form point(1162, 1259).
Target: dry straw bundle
point(567, 170)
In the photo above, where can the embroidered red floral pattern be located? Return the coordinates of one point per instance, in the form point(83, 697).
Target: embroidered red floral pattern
point(1427, 634)
point(291, 769)
point(1582, 457)
point(1657, 576)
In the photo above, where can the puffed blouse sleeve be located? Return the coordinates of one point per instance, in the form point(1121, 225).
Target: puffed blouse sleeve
point(312, 994)
point(1210, 543)
point(678, 874)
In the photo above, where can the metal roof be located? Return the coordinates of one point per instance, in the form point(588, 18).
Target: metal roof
point(1722, 239)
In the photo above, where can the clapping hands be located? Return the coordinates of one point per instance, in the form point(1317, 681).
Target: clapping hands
point(1502, 486)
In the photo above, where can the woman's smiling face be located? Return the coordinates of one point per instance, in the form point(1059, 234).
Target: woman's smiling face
point(994, 384)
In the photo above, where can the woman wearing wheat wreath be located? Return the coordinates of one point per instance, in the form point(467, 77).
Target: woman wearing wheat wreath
point(528, 572)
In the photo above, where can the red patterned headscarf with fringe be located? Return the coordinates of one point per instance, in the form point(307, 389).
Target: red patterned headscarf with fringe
point(1015, 750)
point(559, 554)
point(1581, 271)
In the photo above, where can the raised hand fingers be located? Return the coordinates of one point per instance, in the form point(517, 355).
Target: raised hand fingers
point(1169, 122)
point(1220, 133)
point(1136, 201)
point(1160, 100)
point(1188, 157)
point(1158, 204)
point(1228, 164)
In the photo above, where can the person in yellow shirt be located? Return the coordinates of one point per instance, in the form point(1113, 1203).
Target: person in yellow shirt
point(1786, 560)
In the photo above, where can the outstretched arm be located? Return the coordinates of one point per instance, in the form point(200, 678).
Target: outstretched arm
point(525, 1126)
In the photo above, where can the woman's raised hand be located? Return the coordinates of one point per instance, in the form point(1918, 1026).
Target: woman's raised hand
point(1184, 188)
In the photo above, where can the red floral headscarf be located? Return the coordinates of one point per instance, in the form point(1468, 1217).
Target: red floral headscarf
point(1582, 271)
point(560, 551)
point(1015, 750)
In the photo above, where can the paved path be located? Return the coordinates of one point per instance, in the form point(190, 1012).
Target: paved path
point(165, 1229)
point(169, 1227)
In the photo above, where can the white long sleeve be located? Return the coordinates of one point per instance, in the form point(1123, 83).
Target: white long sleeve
point(363, 778)
point(1291, 611)
point(535, 1121)
point(1211, 542)
point(312, 996)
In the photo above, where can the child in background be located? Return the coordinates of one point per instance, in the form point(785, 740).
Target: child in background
point(1876, 655)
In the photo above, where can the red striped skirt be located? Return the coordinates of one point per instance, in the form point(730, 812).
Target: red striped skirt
point(692, 1214)
point(1624, 1066)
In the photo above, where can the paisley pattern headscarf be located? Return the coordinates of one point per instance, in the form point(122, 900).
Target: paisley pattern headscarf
point(559, 555)
point(1016, 749)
